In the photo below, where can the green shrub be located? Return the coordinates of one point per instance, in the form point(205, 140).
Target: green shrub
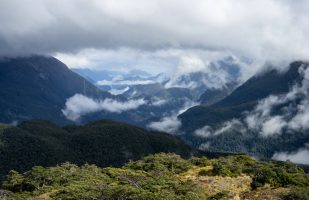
point(297, 193)
point(220, 196)
point(203, 172)
point(161, 162)
point(202, 161)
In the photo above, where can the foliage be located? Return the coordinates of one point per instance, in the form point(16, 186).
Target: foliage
point(104, 143)
point(158, 176)
point(200, 161)
point(137, 180)
point(297, 193)
point(276, 174)
point(219, 196)
point(162, 162)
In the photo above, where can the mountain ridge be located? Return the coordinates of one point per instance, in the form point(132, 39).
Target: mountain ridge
point(37, 87)
point(223, 126)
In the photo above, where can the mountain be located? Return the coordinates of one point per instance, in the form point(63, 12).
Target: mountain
point(162, 176)
point(40, 87)
point(259, 117)
point(214, 95)
point(221, 74)
point(96, 75)
point(243, 98)
point(166, 95)
point(263, 85)
point(37, 87)
point(115, 82)
point(218, 74)
point(103, 143)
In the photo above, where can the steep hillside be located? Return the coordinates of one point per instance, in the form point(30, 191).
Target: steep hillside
point(245, 121)
point(242, 98)
point(103, 143)
point(37, 87)
point(263, 85)
point(162, 176)
point(214, 95)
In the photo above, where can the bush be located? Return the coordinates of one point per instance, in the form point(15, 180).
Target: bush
point(167, 162)
point(297, 194)
point(220, 196)
point(279, 175)
point(202, 161)
point(203, 172)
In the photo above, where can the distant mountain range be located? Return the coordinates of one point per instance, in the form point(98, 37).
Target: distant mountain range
point(167, 95)
point(41, 87)
point(218, 75)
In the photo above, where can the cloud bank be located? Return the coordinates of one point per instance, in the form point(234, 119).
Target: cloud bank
point(301, 156)
point(262, 29)
point(79, 105)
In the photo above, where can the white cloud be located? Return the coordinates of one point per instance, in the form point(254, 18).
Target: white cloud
point(79, 105)
point(171, 123)
point(122, 59)
point(273, 126)
point(158, 102)
point(74, 61)
point(294, 117)
point(125, 82)
point(118, 91)
point(204, 132)
point(232, 125)
point(301, 156)
point(261, 29)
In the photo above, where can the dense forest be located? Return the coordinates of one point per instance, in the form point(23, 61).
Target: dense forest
point(104, 143)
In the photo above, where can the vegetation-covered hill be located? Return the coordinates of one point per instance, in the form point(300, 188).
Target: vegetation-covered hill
point(162, 176)
point(104, 143)
point(234, 107)
point(243, 98)
point(37, 87)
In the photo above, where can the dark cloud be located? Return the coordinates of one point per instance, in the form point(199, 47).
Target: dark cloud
point(264, 28)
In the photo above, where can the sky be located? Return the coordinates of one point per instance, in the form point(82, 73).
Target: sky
point(157, 35)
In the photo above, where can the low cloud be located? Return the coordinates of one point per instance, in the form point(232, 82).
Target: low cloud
point(115, 91)
point(207, 131)
point(125, 82)
point(171, 123)
point(158, 102)
point(292, 116)
point(210, 71)
point(292, 113)
point(301, 156)
point(79, 105)
point(168, 124)
point(12, 123)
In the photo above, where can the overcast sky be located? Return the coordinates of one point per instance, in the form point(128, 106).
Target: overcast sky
point(155, 35)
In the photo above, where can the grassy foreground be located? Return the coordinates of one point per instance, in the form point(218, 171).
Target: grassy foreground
point(162, 176)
